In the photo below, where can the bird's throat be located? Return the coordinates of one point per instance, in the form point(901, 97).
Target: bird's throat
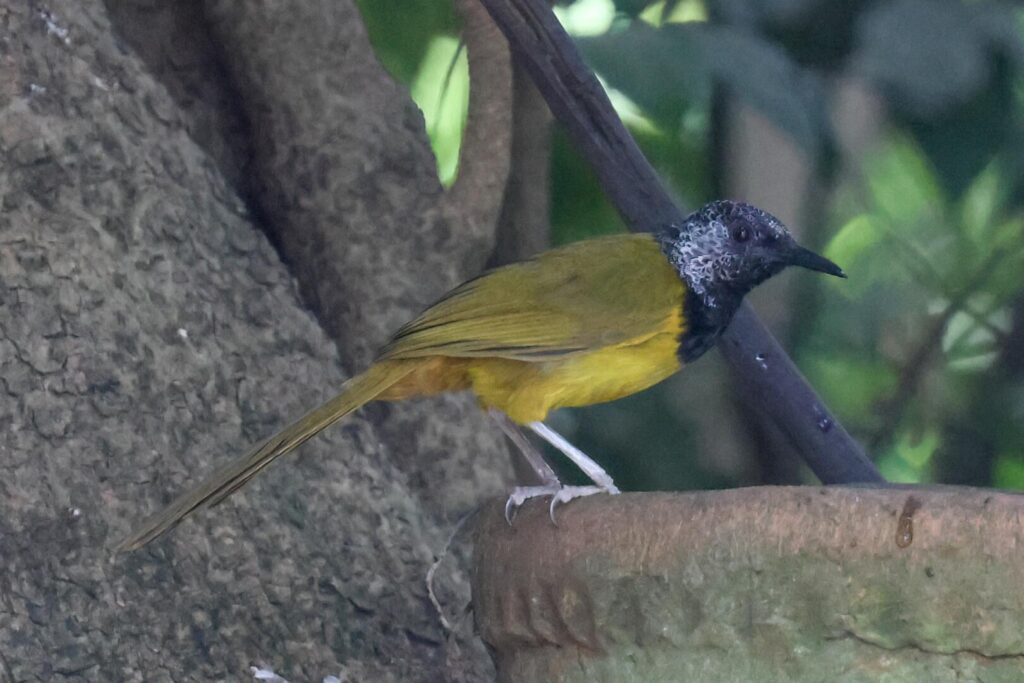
point(708, 306)
point(705, 322)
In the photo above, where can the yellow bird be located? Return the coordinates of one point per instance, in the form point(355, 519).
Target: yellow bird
point(586, 323)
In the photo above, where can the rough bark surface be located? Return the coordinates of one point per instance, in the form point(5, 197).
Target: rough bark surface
point(787, 584)
point(345, 180)
point(148, 329)
point(474, 201)
point(524, 228)
point(175, 43)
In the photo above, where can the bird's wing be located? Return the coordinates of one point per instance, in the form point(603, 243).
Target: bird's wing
point(586, 295)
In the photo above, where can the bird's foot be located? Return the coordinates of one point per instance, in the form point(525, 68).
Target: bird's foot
point(567, 493)
point(559, 496)
point(521, 494)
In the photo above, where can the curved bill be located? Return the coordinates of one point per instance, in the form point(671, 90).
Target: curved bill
point(805, 258)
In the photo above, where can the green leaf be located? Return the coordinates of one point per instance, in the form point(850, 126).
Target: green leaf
point(979, 362)
point(980, 203)
point(918, 452)
point(682, 11)
point(854, 240)
point(661, 70)
point(897, 471)
point(853, 386)
point(586, 17)
point(969, 345)
point(401, 31)
point(444, 101)
point(909, 459)
point(1009, 472)
point(670, 69)
point(902, 183)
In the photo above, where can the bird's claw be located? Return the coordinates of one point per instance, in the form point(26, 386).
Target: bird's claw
point(521, 494)
point(559, 496)
point(567, 493)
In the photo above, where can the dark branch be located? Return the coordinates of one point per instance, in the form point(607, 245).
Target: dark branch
point(579, 102)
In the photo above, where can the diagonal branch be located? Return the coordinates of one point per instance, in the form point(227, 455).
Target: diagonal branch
point(579, 102)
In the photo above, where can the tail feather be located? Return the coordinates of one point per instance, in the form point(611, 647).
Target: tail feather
point(233, 475)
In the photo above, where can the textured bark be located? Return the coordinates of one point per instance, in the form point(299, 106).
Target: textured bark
point(175, 43)
point(324, 112)
point(147, 329)
point(474, 201)
point(524, 228)
point(758, 585)
point(346, 182)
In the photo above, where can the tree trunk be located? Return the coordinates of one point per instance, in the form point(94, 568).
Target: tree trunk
point(148, 330)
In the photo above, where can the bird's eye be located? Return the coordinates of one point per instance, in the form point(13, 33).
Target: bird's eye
point(740, 233)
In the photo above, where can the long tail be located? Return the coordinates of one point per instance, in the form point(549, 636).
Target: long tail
point(356, 392)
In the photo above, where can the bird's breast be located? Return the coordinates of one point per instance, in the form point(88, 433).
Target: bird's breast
point(528, 391)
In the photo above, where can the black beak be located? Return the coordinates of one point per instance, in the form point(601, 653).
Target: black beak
point(805, 258)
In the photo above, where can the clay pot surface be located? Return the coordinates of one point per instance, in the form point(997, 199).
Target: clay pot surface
point(758, 584)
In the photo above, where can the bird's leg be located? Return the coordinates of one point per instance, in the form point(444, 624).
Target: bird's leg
point(603, 481)
point(541, 469)
point(549, 483)
point(590, 468)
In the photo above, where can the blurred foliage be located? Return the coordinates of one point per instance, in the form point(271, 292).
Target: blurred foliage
point(921, 352)
point(927, 309)
point(402, 30)
point(671, 70)
point(418, 42)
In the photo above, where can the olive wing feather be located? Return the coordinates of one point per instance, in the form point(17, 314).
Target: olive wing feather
point(586, 295)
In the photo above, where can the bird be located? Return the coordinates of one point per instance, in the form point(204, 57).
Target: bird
point(584, 323)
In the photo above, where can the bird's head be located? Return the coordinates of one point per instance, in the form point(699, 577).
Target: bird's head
point(727, 248)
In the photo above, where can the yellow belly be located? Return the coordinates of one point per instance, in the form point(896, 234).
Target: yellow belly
point(528, 391)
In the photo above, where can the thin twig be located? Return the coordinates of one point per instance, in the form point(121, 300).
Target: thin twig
point(438, 559)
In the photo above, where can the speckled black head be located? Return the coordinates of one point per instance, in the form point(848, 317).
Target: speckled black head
point(722, 252)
